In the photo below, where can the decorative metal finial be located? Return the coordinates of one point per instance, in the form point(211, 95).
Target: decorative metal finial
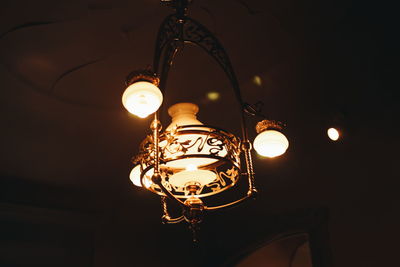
point(268, 124)
point(180, 6)
point(142, 75)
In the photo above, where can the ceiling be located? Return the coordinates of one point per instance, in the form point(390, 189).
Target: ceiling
point(67, 141)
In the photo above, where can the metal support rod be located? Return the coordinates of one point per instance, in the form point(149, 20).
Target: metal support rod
point(155, 127)
point(250, 172)
point(246, 146)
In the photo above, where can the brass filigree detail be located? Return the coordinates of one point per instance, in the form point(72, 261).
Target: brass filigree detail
point(209, 143)
point(143, 75)
point(268, 124)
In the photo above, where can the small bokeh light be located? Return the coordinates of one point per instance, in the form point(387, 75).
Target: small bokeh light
point(333, 134)
point(213, 96)
point(257, 80)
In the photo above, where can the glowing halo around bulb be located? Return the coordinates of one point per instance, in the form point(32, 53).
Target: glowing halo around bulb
point(271, 143)
point(142, 98)
point(333, 134)
point(134, 176)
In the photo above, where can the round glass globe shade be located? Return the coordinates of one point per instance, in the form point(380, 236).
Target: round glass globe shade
point(333, 134)
point(271, 143)
point(134, 176)
point(142, 98)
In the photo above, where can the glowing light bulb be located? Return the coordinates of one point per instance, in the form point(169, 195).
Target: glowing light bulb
point(191, 167)
point(271, 143)
point(142, 98)
point(333, 134)
point(134, 176)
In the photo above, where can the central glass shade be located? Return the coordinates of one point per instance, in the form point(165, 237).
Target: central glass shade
point(193, 142)
point(193, 153)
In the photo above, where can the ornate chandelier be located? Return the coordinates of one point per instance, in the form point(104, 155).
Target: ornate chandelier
point(190, 161)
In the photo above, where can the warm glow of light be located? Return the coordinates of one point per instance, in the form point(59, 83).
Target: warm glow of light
point(135, 177)
point(191, 167)
point(271, 143)
point(213, 96)
point(257, 80)
point(142, 98)
point(192, 175)
point(333, 134)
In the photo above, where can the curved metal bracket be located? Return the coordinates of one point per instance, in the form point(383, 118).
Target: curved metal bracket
point(174, 32)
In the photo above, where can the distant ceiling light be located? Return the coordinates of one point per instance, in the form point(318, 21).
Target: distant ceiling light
point(333, 134)
point(213, 96)
point(257, 80)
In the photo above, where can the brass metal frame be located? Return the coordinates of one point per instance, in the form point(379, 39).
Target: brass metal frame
point(227, 167)
point(142, 75)
point(175, 31)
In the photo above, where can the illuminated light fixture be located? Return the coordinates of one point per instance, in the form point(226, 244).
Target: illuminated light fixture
point(142, 97)
point(333, 134)
point(270, 142)
point(188, 161)
point(134, 176)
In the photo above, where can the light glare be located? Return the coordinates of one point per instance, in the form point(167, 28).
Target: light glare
point(333, 134)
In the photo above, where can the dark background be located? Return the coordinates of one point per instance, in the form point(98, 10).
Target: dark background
point(66, 141)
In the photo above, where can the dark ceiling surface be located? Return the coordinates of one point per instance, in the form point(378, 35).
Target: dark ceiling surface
point(66, 141)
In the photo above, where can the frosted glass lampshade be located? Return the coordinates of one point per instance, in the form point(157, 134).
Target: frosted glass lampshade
point(183, 114)
point(271, 143)
point(192, 175)
point(191, 154)
point(142, 98)
point(134, 176)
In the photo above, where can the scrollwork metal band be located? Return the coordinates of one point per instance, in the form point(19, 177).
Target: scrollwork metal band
point(218, 150)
